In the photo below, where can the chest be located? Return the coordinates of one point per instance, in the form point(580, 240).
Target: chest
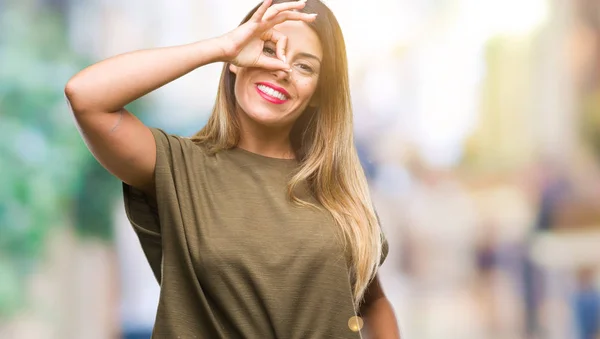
point(251, 223)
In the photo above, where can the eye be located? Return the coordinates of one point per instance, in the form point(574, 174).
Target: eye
point(268, 51)
point(306, 68)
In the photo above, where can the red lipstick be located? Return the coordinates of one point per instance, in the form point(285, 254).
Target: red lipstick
point(270, 98)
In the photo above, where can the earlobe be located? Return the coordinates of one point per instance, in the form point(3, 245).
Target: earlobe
point(233, 68)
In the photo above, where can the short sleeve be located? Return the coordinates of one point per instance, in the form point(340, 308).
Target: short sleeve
point(143, 210)
point(143, 215)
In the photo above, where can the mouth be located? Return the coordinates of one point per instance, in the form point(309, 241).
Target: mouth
point(272, 93)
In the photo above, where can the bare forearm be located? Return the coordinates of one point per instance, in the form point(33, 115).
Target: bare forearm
point(109, 85)
point(379, 320)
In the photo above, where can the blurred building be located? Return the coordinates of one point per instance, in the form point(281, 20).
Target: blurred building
point(478, 122)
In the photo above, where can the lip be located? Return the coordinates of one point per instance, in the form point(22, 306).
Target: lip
point(277, 88)
point(269, 98)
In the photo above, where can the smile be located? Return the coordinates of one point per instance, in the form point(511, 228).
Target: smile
point(271, 94)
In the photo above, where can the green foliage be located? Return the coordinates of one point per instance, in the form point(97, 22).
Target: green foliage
point(39, 148)
point(48, 178)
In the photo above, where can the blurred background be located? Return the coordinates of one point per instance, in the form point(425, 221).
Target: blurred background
point(478, 123)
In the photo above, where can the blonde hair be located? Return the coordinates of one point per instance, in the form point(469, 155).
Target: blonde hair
point(322, 139)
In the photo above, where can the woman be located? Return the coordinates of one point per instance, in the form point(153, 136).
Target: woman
point(261, 225)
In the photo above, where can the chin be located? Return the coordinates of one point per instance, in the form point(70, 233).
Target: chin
point(266, 118)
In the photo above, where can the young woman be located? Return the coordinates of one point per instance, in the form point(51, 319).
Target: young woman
point(261, 225)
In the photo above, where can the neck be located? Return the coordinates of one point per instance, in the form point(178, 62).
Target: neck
point(268, 141)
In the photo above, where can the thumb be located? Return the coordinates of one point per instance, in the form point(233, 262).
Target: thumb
point(272, 63)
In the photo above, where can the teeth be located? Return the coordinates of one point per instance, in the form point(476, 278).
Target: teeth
point(272, 92)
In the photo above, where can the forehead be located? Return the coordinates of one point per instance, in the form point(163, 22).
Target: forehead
point(301, 38)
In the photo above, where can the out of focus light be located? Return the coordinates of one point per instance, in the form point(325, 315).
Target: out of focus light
point(550, 249)
point(517, 16)
point(509, 17)
point(377, 28)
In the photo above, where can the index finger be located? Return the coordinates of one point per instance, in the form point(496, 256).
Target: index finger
point(280, 41)
point(260, 12)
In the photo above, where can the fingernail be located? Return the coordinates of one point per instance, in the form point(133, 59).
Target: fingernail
point(284, 59)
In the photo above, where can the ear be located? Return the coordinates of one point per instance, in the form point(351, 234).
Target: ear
point(233, 68)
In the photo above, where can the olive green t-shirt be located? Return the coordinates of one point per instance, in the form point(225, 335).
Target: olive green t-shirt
point(234, 258)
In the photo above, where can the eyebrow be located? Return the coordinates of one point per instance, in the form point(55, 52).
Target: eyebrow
point(310, 56)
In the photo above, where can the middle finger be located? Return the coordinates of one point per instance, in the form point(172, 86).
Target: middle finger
point(286, 6)
point(291, 15)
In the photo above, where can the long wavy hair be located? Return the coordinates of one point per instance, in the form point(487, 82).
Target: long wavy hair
point(322, 140)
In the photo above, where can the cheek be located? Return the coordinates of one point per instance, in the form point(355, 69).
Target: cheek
point(241, 86)
point(306, 87)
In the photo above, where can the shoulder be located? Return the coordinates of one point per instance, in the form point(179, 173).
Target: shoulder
point(170, 140)
point(174, 150)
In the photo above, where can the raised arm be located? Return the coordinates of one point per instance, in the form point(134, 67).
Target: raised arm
point(98, 94)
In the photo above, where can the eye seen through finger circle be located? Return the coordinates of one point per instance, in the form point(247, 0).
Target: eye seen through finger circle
point(304, 67)
point(268, 50)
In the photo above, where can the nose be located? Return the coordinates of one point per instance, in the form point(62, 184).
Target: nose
point(281, 75)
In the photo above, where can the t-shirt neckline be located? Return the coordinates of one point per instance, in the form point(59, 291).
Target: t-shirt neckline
point(264, 158)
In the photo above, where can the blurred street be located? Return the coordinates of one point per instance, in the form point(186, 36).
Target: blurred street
point(478, 124)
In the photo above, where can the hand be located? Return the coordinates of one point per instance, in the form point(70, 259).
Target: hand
point(244, 45)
